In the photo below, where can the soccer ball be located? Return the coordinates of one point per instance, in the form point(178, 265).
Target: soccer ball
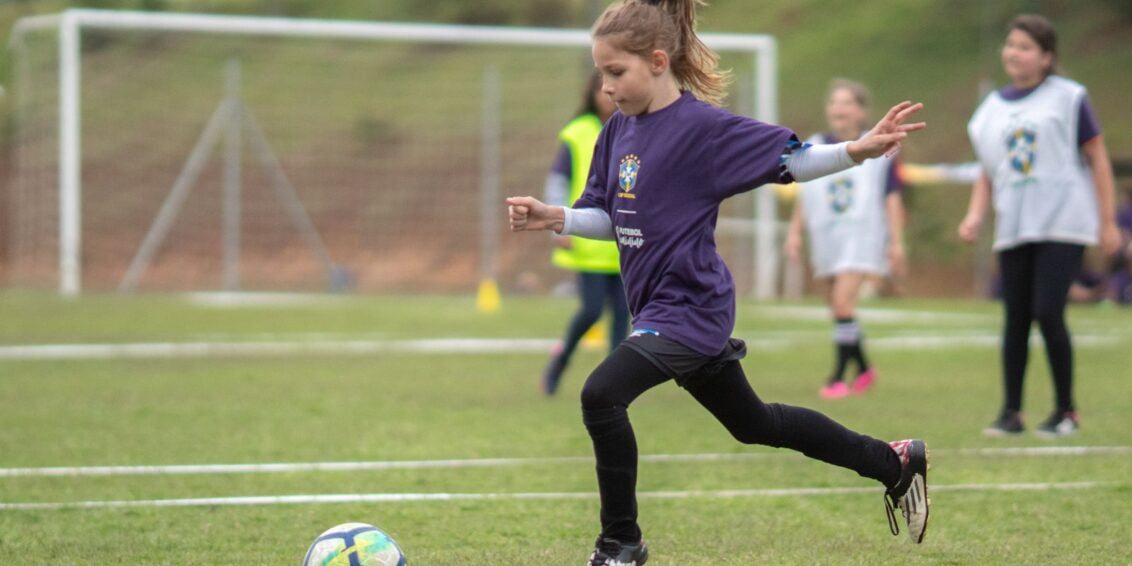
point(354, 544)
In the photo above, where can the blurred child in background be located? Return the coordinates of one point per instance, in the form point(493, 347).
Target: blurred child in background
point(855, 221)
point(1048, 174)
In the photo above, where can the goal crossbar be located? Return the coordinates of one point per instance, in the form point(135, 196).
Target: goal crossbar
point(342, 29)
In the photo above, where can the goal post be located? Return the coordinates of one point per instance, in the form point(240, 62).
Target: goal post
point(79, 30)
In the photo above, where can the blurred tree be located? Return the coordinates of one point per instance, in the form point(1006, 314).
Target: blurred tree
point(552, 13)
point(495, 12)
point(287, 8)
point(1122, 7)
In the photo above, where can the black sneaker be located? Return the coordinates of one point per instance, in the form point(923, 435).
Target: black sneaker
point(1060, 423)
point(610, 552)
point(1008, 423)
point(910, 494)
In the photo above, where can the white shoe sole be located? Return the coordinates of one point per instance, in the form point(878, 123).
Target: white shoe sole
point(918, 507)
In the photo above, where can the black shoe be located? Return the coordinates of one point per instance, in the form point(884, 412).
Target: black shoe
point(1060, 423)
point(553, 374)
point(910, 494)
point(610, 552)
point(1008, 423)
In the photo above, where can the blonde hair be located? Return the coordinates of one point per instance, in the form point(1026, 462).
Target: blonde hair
point(641, 26)
point(858, 91)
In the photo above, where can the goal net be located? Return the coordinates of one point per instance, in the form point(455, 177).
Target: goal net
point(183, 152)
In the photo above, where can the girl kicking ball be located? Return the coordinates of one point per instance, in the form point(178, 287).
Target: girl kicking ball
point(661, 167)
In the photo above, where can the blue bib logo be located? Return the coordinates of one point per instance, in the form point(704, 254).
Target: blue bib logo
point(627, 172)
point(841, 195)
point(1022, 149)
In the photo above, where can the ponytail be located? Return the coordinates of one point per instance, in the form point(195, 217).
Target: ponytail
point(640, 26)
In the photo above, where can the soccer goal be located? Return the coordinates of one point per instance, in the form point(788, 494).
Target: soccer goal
point(162, 151)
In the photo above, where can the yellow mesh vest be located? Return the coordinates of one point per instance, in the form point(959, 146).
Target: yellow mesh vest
point(592, 256)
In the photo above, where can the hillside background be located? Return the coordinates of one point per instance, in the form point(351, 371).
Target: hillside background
point(944, 53)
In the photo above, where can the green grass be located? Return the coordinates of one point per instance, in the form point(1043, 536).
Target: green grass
point(249, 409)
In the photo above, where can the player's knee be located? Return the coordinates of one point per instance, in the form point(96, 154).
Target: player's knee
point(589, 314)
point(843, 309)
point(597, 395)
point(1019, 321)
point(600, 422)
point(1049, 318)
point(760, 427)
point(751, 436)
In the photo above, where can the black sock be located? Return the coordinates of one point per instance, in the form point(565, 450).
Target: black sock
point(859, 357)
point(846, 337)
point(843, 355)
point(615, 449)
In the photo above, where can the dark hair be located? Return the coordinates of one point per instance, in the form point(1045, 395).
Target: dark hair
point(1041, 31)
point(593, 84)
point(641, 26)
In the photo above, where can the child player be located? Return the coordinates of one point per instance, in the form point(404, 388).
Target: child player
point(1047, 172)
point(855, 221)
point(661, 167)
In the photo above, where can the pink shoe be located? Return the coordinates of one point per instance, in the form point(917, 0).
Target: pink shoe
point(835, 390)
point(864, 381)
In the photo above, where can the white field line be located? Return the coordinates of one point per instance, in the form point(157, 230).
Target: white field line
point(876, 315)
point(223, 299)
point(541, 346)
point(928, 342)
point(274, 468)
point(212, 349)
point(414, 497)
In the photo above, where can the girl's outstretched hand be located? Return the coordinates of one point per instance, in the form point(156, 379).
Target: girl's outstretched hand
point(885, 138)
point(528, 213)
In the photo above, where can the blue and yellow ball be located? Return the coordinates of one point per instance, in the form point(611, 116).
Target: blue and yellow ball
point(354, 544)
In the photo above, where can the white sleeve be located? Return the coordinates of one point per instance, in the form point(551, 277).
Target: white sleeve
point(815, 161)
point(590, 223)
point(556, 190)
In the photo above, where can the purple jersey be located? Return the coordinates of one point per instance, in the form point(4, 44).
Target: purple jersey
point(1124, 217)
point(1087, 125)
point(661, 178)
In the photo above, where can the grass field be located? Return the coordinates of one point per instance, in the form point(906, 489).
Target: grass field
point(164, 381)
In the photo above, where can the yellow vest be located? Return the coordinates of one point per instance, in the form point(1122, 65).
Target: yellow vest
point(591, 256)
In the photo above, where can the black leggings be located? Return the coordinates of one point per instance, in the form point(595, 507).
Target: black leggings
point(1035, 287)
point(625, 374)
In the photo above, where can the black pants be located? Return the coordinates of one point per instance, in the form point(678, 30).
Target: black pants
point(1035, 287)
point(726, 393)
point(596, 289)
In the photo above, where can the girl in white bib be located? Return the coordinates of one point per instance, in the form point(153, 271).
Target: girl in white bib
point(854, 220)
point(1048, 174)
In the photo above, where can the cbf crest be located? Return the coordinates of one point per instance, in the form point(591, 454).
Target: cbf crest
point(840, 194)
point(627, 175)
point(1021, 147)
